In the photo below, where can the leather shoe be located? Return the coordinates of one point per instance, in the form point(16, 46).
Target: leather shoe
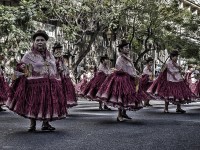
point(147, 105)
point(32, 129)
point(1, 109)
point(180, 111)
point(126, 116)
point(48, 128)
point(106, 107)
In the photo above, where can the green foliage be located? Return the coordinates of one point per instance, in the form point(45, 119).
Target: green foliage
point(157, 22)
point(16, 26)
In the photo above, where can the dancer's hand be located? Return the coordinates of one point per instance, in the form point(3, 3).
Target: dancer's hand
point(113, 70)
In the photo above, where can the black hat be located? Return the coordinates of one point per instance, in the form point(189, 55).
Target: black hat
point(104, 57)
point(174, 53)
point(40, 33)
point(190, 66)
point(57, 45)
point(149, 59)
point(123, 43)
point(1, 57)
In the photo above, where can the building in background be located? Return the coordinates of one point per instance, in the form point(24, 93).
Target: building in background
point(191, 5)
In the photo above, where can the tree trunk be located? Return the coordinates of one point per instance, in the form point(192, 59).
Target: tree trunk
point(139, 58)
point(143, 53)
point(86, 51)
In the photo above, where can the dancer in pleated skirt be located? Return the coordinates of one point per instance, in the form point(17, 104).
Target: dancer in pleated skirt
point(196, 83)
point(95, 83)
point(170, 85)
point(4, 88)
point(147, 78)
point(81, 85)
point(188, 74)
point(63, 71)
point(37, 93)
point(189, 77)
point(121, 88)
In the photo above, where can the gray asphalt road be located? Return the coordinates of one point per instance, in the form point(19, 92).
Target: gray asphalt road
point(87, 128)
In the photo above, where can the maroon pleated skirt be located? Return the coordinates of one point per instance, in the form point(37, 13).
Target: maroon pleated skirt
point(4, 90)
point(197, 89)
point(175, 92)
point(80, 87)
point(40, 99)
point(93, 85)
point(145, 82)
point(120, 90)
point(69, 91)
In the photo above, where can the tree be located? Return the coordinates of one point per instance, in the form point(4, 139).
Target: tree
point(153, 25)
point(15, 28)
point(156, 26)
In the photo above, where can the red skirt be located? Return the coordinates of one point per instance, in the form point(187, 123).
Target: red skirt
point(175, 92)
point(119, 90)
point(145, 82)
point(69, 91)
point(4, 89)
point(80, 86)
point(40, 99)
point(93, 86)
point(197, 89)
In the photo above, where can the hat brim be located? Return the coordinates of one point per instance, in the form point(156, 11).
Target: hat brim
point(46, 37)
point(103, 57)
point(174, 54)
point(57, 47)
point(122, 45)
point(148, 60)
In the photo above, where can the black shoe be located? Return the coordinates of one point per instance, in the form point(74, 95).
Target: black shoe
point(48, 128)
point(100, 108)
point(106, 107)
point(180, 111)
point(126, 116)
point(32, 129)
point(147, 105)
point(1, 109)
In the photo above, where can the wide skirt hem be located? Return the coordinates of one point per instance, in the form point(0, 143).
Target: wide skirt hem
point(38, 98)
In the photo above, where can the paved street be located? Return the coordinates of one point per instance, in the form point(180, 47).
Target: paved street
point(87, 128)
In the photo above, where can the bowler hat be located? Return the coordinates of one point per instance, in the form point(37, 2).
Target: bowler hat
point(40, 33)
point(102, 58)
point(174, 53)
point(149, 59)
point(123, 43)
point(57, 45)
